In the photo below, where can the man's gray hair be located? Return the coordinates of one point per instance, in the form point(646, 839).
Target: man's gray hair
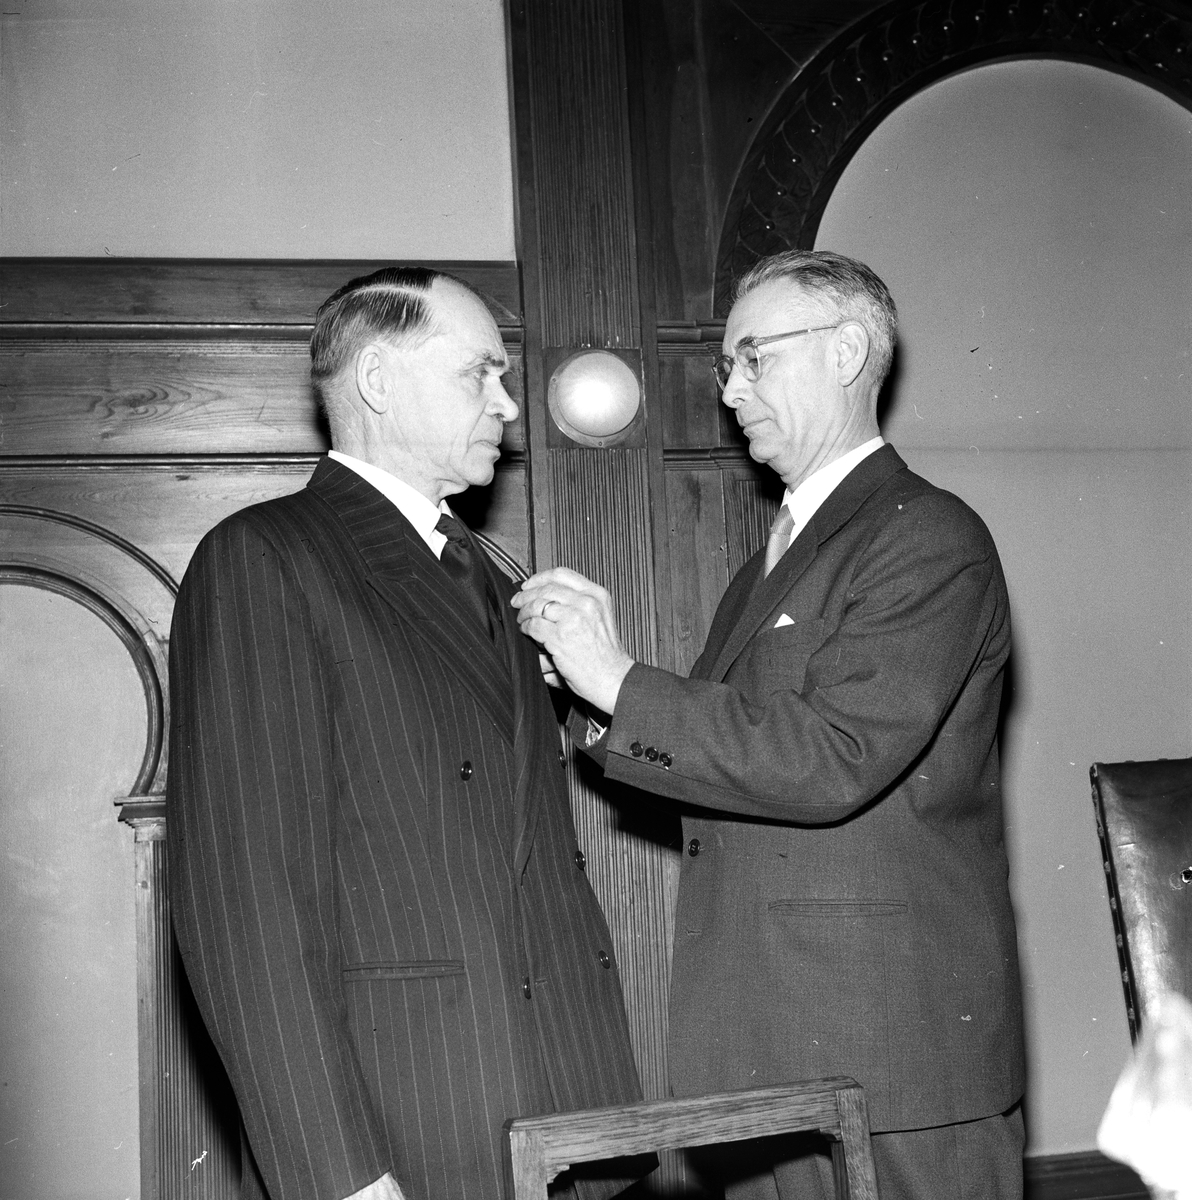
point(847, 286)
point(389, 305)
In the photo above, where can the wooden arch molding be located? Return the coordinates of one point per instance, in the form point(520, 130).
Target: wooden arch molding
point(129, 592)
point(834, 103)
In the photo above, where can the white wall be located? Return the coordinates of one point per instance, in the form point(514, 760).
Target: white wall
point(72, 734)
point(1031, 219)
point(255, 129)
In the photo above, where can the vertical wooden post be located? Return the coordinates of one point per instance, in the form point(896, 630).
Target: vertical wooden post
point(189, 1135)
point(599, 511)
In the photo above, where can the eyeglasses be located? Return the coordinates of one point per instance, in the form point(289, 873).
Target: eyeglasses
point(746, 355)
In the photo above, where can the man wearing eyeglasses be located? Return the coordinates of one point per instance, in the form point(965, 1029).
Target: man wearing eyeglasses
point(843, 903)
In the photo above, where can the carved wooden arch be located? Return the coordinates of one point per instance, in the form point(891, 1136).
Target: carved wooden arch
point(116, 581)
point(132, 637)
point(834, 103)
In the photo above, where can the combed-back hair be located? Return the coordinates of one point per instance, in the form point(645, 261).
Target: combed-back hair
point(848, 287)
point(389, 304)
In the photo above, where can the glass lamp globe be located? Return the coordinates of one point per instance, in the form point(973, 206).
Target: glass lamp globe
point(593, 396)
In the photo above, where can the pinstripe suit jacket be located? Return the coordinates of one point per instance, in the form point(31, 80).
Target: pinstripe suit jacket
point(374, 874)
point(843, 905)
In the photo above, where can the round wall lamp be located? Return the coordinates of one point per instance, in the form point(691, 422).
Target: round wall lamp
point(593, 397)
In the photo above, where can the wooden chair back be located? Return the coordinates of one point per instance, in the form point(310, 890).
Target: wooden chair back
point(542, 1147)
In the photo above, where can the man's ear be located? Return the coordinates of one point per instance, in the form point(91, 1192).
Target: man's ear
point(373, 381)
point(852, 352)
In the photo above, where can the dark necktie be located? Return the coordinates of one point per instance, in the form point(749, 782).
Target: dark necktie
point(780, 538)
point(462, 562)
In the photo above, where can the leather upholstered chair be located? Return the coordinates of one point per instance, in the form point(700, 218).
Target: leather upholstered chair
point(1144, 820)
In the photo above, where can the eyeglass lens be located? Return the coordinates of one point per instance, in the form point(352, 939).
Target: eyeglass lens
point(746, 357)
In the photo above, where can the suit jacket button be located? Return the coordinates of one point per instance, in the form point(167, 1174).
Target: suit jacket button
point(465, 770)
point(580, 861)
point(605, 961)
point(651, 754)
point(563, 760)
point(665, 759)
point(636, 749)
point(526, 987)
point(693, 847)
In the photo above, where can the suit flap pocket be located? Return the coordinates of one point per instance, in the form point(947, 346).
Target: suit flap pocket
point(424, 969)
point(839, 908)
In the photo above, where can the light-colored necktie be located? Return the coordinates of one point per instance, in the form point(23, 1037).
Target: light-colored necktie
point(780, 537)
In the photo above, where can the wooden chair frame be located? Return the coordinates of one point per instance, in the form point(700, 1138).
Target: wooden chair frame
point(541, 1147)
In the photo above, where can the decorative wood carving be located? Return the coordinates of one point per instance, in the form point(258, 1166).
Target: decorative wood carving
point(873, 65)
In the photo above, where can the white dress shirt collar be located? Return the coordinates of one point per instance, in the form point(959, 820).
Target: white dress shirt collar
point(413, 505)
point(813, 491)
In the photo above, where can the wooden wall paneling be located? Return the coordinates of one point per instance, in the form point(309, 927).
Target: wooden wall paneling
point(594, 509)
point(214, 392)
point(689, 395)
point(219, 291)
point(696, 509)
point(751, 500)
point(164, 506)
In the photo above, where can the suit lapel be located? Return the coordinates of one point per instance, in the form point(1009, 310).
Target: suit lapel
point(759, 601)
point(753, 605)
point(535, 726)
point(401, 569)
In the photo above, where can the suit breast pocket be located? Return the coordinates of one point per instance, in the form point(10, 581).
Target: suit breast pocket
point(776, 658)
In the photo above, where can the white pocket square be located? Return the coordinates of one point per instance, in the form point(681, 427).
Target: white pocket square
point(783, 620)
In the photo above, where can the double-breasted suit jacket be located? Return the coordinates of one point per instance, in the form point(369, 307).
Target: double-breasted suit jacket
point(375, 880)
point(843, 905)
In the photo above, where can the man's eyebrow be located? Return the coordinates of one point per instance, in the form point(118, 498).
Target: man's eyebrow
point(488, 359)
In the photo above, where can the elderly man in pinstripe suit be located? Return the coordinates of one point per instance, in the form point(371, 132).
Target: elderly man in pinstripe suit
point(376, 886)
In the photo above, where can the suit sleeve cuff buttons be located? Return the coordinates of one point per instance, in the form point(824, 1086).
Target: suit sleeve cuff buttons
point(651, 754)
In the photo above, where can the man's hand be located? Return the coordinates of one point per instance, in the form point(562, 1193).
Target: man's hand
point(572, 619)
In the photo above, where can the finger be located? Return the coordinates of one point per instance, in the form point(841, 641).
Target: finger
point(536, 600)
point(561, 576)
point(538, 593)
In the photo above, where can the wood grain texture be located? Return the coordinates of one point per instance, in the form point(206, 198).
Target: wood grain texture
point(699, 573)
point(601, 501)
point(121, 395)
point(188, 1148)
point(209, 291)
point(165, 506)
point(586, 269)
point(601, 504)
point(751, 499)
point(541, 1147)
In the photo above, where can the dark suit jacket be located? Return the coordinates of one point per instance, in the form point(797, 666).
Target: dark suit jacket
point(843, 905)
point(374, 873)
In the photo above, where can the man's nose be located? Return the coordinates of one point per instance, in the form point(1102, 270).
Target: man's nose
point(732, 392)
point(501, 403)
